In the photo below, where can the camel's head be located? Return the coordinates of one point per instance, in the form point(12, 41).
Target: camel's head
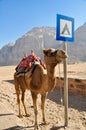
point(53, 56)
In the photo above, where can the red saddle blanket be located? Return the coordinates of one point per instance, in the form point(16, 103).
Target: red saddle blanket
point(28, 61)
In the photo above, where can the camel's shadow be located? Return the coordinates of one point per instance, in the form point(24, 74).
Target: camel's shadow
point(20, 128)
point(6, 114)
point(9, 81)
point(15, 128)
point(75, 101)
point(57, 128)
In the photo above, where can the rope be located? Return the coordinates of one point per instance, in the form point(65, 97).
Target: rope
point(60, 85)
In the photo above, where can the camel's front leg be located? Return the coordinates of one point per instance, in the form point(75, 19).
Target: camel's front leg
point(34, 97)
point(23, 101)
point(43, 97)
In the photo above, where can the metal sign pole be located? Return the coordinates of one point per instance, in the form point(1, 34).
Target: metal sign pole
point(65, 32)
point(65, 86)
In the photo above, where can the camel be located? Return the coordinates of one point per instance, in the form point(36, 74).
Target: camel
point(39, 82)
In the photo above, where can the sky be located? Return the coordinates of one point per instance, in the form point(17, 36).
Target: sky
point(17, 17)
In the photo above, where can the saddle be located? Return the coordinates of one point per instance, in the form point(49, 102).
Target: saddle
point(23, 71)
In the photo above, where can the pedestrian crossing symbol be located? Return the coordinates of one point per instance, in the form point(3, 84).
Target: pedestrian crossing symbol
point(65, 28)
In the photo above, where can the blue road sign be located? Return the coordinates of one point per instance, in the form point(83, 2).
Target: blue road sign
point(65, 28)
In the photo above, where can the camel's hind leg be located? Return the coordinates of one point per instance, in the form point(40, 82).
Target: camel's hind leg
point(17, 89)
point(34, 97)
point(18, 101)
point(23, 102)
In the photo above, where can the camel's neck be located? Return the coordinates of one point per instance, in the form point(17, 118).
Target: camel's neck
point(50, 77)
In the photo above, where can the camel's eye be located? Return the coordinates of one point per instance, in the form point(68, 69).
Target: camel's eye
point(52, 54)
point(63, 53)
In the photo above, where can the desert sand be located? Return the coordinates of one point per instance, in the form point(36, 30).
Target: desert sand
point(54, 108)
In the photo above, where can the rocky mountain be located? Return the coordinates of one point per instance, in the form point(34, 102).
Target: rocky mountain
point(43, 37)
point(77, 50)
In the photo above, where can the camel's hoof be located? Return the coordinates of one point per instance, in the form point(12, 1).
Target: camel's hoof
point(20, 116)
point(36, 127)
point(27, 115)
point(45, 123)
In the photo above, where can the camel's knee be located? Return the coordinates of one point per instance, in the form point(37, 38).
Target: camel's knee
point(42, 107)
point(18, 93)
point(18, 100)
point(23, 96)
point(35, 111)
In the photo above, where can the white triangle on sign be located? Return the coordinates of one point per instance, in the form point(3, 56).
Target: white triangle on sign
point(65, 28)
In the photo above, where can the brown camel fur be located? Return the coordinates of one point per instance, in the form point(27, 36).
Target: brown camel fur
point(39, 82)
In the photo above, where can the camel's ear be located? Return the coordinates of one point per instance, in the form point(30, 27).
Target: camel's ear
point(44, 51)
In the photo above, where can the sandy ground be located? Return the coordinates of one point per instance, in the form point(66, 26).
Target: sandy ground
point(54, 109)
point(76, 70)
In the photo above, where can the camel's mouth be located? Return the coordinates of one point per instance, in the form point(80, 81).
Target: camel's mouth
point(63, 57)
point(62, 54)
